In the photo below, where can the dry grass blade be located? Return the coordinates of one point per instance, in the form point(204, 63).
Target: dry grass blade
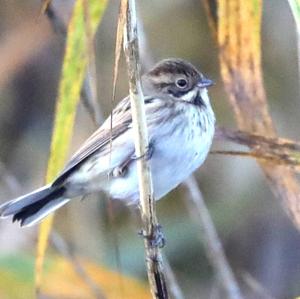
point(153, 256)
point(73, 71)
point(257, 141)
point(263, 157)
point(119, 42)
point(273, 150)
point(239, 24)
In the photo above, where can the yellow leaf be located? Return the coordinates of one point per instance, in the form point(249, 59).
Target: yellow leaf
point(73, 72)
point(239, 24)
point(63, 282)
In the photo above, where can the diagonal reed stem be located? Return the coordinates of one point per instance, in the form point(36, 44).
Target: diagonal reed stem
point(213, 247)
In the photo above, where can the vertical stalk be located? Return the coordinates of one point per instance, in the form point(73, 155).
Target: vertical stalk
point(147, 205)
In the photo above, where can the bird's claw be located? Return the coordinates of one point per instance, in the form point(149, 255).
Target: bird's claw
point(119, 171)
point(147, 155)
point(157, 238)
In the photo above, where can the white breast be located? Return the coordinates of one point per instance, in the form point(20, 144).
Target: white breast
point(180, 154)
point(177, 153)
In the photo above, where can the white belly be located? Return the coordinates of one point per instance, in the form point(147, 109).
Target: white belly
point(174, 158)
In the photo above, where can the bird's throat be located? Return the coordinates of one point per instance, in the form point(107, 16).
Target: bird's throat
point(198, 100)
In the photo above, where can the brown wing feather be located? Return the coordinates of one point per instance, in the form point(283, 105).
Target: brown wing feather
point(100, 139)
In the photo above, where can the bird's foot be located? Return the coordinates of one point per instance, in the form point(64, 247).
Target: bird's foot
point(119, 171)
point(147, 155)
point(157, 238)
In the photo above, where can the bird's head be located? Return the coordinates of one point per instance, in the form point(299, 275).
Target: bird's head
point(177, 78)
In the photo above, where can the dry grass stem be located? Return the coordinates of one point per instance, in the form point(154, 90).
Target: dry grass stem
point(213, 246)
point(155, 272)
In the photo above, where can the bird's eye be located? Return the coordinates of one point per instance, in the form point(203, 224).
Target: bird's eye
point(181, 83)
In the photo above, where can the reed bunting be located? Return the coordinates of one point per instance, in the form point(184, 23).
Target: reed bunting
point(180, 123)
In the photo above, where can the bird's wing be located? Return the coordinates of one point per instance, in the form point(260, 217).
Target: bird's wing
point(100, 140)
point(121, 120)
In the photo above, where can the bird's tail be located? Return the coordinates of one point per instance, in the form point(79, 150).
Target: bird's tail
point(33, 207)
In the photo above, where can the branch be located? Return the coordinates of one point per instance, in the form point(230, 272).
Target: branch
point(153, 257)
point(213, 246)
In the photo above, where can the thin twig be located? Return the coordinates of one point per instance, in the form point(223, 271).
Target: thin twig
point(295, 8)
point(155, 272)
point(10, 180)
point(91, 77)
point(213, 246)
point(173, 285)
point(256, 286)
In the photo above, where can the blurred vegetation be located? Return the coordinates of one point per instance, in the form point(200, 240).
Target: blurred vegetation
point(73, 72)
point(61, 281)
point(258, 236)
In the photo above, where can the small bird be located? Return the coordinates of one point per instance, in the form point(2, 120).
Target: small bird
point(181, 125)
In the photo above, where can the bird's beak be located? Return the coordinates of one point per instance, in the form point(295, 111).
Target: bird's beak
point(205, 82)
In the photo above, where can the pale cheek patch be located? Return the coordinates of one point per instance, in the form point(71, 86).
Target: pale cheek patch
point(190, 96)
